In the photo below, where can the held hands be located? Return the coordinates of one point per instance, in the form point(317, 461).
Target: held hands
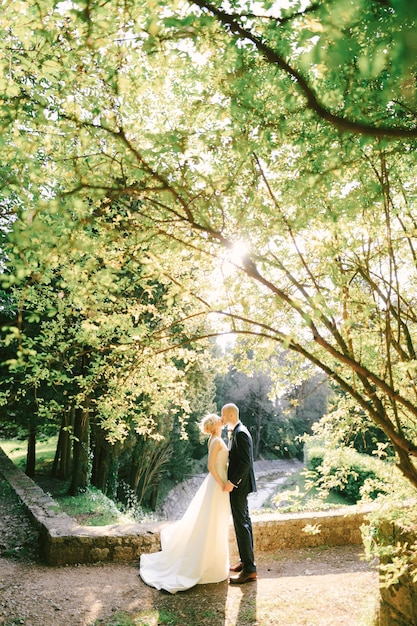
point(228, 486)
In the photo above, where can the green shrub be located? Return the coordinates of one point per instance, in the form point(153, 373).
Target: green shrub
point(346, 472)
point(390, 538)
point(314, 456)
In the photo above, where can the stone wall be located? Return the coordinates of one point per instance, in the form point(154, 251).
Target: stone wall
point(275, 531)
point(66, 542)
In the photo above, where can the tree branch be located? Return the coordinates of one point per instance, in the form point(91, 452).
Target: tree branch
point(313, 102)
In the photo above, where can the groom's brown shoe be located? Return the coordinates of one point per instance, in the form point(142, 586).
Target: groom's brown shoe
point(236, 568)
point(243, 577)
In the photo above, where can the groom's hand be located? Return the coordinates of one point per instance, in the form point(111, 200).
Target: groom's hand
point(228, 486)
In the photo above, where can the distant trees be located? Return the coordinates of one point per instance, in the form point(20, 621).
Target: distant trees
point(277, 424)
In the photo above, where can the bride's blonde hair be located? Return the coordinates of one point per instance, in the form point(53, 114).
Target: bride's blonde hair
point(207, 423)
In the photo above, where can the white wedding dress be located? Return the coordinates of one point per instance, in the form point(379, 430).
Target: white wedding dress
point(195, 549)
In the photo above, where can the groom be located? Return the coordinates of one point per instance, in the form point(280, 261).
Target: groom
point(241, 482)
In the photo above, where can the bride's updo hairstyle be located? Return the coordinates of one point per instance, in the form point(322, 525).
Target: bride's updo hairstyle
point(207, 423)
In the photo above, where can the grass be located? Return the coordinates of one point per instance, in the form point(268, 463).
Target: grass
point(92, 508)
point(16, 450)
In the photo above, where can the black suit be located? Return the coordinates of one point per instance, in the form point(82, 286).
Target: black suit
point(241, 474)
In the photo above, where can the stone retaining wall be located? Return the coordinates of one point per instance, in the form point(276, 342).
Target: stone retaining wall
point(66, 542)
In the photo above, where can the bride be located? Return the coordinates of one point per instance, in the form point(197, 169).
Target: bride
point(195, 549)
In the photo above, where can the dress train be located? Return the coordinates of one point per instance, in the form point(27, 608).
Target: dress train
point(195, 549)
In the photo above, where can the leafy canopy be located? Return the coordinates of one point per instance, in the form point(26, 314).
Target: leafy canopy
point(290, 132)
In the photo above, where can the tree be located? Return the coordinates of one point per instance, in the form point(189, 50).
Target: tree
point(354, 65)
point(272, 131)
point(347, 425)
point(104, 354)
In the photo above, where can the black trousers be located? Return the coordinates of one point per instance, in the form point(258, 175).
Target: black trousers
point(243, 529)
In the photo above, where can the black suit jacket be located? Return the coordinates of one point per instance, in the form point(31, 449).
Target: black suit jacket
point(240, 471)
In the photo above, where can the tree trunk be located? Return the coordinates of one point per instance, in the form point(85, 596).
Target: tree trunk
point(112, 480)
point(105, 465)
point(258, 435)
point(31, 451)
point(57, 454)
point(61, 464)
point(154, 496)
point(79, 480)
point(100, 464)
point(66, 456)
point(136, 468)
point(65, 463)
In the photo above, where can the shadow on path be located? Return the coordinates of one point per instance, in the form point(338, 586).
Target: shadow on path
point(316, 587)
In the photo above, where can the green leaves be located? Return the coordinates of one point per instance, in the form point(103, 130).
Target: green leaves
point(143, 141)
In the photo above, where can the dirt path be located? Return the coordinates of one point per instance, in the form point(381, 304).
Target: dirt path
point(320, 587)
